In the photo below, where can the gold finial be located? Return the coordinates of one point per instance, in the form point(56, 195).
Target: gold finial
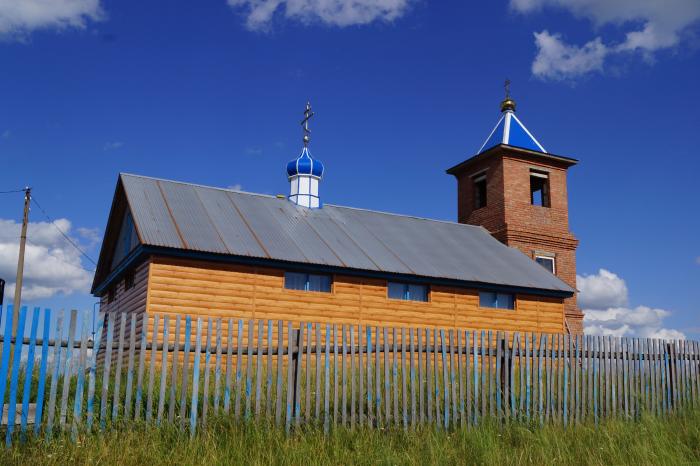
point(508, 103)
point(305, 123)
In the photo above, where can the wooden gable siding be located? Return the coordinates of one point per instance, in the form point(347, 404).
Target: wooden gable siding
point(178, 286)
point(128, 301)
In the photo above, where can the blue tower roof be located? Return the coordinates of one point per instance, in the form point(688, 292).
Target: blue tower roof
point(305, 165)
point(510, 130)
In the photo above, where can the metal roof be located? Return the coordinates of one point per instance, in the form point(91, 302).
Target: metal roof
point(211, 220)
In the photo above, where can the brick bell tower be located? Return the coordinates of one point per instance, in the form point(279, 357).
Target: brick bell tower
point(517, 190)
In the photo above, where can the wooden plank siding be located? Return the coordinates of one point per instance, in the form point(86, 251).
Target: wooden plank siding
point(180, 286)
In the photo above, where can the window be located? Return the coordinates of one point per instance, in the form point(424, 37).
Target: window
point(307, 282)
point(496, 300)
point(539, 188)
point(407, 292)
point(479, 191)
point(129, 280)
point(547, 262)
point(111, 293)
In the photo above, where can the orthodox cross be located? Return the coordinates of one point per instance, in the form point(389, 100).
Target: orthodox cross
point(506, 86)
point(305, 123)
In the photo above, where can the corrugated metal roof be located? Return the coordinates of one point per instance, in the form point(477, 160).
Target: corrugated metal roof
point(204, 219)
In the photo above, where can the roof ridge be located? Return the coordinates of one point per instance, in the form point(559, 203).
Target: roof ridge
point(394, 214)
point(198, 185)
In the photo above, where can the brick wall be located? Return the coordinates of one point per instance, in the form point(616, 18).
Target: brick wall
point(510, 216)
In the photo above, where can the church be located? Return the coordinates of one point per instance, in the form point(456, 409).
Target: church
point(508, 263)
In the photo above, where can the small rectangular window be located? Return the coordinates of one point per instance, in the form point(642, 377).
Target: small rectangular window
point(129, 280)
point(496, 300)
point(539, 188)
point(307, 282)
point(479, 191)
point(547, 262)
point(407, 292)
point(111, 293)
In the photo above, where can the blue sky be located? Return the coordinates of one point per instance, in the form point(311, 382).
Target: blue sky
point(213, 94)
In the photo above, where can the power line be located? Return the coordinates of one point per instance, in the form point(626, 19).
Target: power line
point(84, 254)
point(14, 191)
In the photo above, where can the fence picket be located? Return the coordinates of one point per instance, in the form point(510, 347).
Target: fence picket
point(79, 386)
point(395, 376)
point(130, 368)
point(335, 375)
point(436, 383)
point(173, 370)
point(421, 395)
point(56, 368)
point(217, 366)
point(270, 374)
point(29, 368)
point(92, 376)
point(105, 373)
point(343, 363)
point(368, 332)
point(412, 362)
point(14, 380)
point(195, 377)
point(387, 380)
point(360, 376)
point(353, 398)
point(185, 371)
point(207, 371)
point(307, 399)
point(239, 374)
point(404, 385)
point(429, 378)
point(152, 369)
point(445, 381)
point(66, 372)
point(291, 344)
point(326, 376)
point(118, 368)
point(249, 370)
point(229, 365)
point(280, 374)
point(163, 368)
point(297, 378)
point(42, 376)
point(142, 367)
point(377, 380)
point(258, 373)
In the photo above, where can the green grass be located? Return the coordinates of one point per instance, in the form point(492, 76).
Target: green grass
point(674, 440)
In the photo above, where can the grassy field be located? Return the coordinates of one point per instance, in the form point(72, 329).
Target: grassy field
point(675, 440)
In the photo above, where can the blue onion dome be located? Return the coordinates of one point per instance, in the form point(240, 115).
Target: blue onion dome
point(305, 165)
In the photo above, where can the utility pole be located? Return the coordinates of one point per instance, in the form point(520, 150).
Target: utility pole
point(20, 263)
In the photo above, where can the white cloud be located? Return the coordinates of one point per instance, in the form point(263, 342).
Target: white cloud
point(557, 60)
point(18, 18)
point(52, 265)
point(602, 290)
point(648, 26)
point(112, 145)
point(697, 260)
point(605, 303)
point(235, 187)
point(341, 13)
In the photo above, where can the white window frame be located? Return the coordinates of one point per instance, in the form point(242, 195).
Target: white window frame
point(548, 257)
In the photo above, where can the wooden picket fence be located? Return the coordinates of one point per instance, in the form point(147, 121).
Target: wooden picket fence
point(183, 370)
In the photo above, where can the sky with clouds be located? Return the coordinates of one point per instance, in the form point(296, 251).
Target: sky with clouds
point(212, 93)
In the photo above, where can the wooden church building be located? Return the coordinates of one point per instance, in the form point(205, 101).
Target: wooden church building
point(508, 263)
